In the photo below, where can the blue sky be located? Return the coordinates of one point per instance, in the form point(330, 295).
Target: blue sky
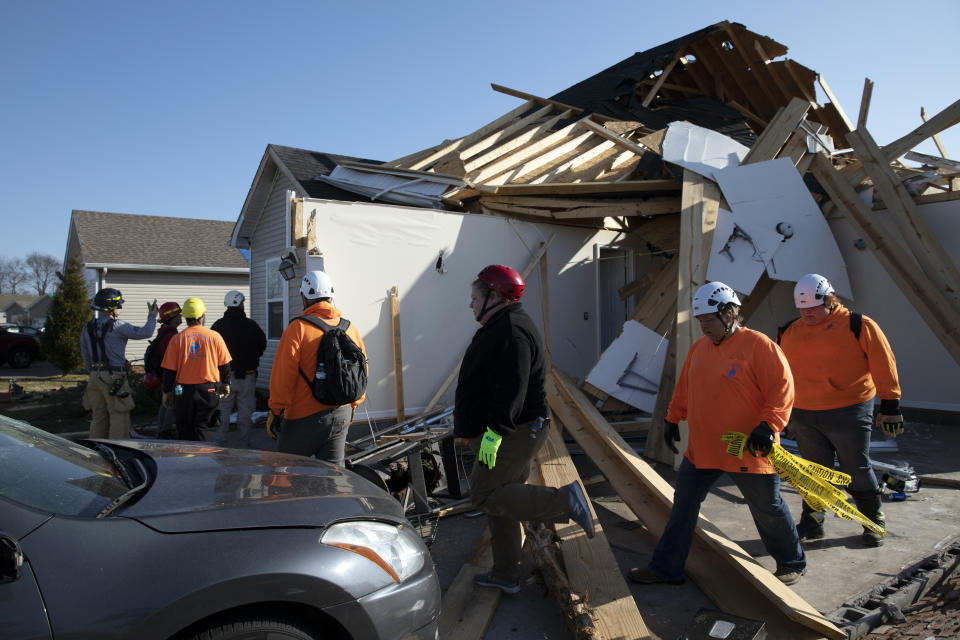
point(166, 108)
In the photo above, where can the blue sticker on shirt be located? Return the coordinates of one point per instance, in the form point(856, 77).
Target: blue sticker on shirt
point(732, 372)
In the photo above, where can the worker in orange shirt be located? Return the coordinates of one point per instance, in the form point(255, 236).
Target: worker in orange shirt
point(309, 427)
point(196, 372)
point(733, 379)
point(840, 361)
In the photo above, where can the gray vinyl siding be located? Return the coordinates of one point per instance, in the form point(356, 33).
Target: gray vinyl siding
point(269, 241)
point(141, 287)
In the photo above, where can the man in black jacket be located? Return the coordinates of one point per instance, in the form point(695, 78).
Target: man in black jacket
point(501, 411)
point(246, 342)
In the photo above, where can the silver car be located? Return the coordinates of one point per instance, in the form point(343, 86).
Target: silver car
point(148, 539)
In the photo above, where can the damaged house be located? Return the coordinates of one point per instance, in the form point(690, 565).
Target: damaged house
point(707, 158)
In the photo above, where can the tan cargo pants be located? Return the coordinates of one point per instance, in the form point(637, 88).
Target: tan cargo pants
point(503, 494)
point(111, 414)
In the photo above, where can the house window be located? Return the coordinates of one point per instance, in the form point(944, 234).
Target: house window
point(275, 287)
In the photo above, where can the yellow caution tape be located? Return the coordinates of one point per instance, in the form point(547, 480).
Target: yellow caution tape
point(814, 482)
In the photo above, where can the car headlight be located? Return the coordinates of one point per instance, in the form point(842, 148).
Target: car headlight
point(394, 548)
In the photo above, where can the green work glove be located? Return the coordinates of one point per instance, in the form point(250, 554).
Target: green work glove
point(273, 417)
point(488, 448)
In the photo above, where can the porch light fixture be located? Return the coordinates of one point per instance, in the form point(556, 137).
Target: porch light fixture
point(288, 266)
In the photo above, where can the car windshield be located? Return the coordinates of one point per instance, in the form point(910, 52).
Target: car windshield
point(52, 474)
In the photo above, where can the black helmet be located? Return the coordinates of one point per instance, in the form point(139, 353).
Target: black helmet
point(107, 300)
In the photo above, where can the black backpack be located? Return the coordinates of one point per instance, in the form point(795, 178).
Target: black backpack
point(151, 358)
point(856, 324)
point(343, 362)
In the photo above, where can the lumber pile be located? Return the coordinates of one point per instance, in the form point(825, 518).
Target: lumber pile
point(600, 155)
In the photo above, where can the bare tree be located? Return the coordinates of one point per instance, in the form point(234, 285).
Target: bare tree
point(13, 274)
point(42, 270)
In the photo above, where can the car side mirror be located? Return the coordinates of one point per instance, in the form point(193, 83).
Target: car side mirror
point(11, 558)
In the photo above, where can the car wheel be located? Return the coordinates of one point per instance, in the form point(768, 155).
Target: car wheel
point(256, 628)
point(20, 358)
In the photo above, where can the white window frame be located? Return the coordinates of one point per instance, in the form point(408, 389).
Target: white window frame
point(270, 267)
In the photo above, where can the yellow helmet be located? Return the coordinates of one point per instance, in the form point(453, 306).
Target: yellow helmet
point(193, 308)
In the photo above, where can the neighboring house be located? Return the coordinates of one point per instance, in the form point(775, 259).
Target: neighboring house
point(15, 307)
point(155, 257)
point(432, 256)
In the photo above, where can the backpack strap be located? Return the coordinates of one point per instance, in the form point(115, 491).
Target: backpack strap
point(856, 323)
point(783, 329)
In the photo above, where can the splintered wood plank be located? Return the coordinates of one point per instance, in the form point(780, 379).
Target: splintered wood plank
point(746, 589)
point(773, 138)
point(936, 137)
point(748, 54)
point(865, 103)
point(591, 567)
point(545, 161)
point(466, 610)
point(929, 302)
point(651, 207)
point(836, 103)
point(926, 247)
point(529, 96)
point(600, 130)
point(495, 170)
point(774, 70)
point(795, 148)
point(577, 168)
point(947, 118)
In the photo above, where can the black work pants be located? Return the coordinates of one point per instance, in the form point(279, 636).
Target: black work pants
point(194, 409)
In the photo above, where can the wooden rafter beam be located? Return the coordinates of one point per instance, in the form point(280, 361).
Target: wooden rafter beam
point(659, 83)
point(865, 103)
point(936, 137)
point(582, 188)
point(929, 302)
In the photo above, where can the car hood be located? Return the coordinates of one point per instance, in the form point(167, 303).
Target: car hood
point(201, 487)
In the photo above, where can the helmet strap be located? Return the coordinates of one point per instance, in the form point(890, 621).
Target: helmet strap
point(485, 309)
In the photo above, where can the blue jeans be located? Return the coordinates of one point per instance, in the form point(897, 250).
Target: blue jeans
point(770, 515)
point(845, 431)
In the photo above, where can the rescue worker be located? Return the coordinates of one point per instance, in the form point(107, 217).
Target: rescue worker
point(310, 428)
point(103, 346)
point(198, 362)
point(501, 411)
point(246, 342)
point(733, 379)
point(170, 319)
point(840, 361)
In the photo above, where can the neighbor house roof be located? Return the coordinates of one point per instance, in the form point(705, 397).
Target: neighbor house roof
point(138, 241)
point(302, 167)
point(24, 300)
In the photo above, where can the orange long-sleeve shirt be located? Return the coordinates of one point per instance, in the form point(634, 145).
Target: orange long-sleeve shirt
point(733, 386)
point(832, 369)
point(289, 392)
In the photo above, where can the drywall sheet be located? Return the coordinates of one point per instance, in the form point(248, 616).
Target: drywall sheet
point(630, 368)
point(771, 195)
point(739, 252)
point(701, 150)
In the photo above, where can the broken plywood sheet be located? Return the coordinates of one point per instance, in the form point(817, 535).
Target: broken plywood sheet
point(631, 367)
point(771, 195)
point(740, 251)
point(701, 150)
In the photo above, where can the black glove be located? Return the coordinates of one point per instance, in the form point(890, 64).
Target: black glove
point(671, 434)
point(761, 440)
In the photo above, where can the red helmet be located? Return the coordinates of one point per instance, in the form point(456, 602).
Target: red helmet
point(168, 310)
point(504, 280)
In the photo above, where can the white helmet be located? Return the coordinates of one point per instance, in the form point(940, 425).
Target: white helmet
point(233, 299)
point(316, 284)
point(711, 297)
point(810, 291)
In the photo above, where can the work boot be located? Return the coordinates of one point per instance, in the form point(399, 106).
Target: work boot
point(580, 509)
point(789, 576)
point(868, 503)
point(810, 526)
point(490, 580)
